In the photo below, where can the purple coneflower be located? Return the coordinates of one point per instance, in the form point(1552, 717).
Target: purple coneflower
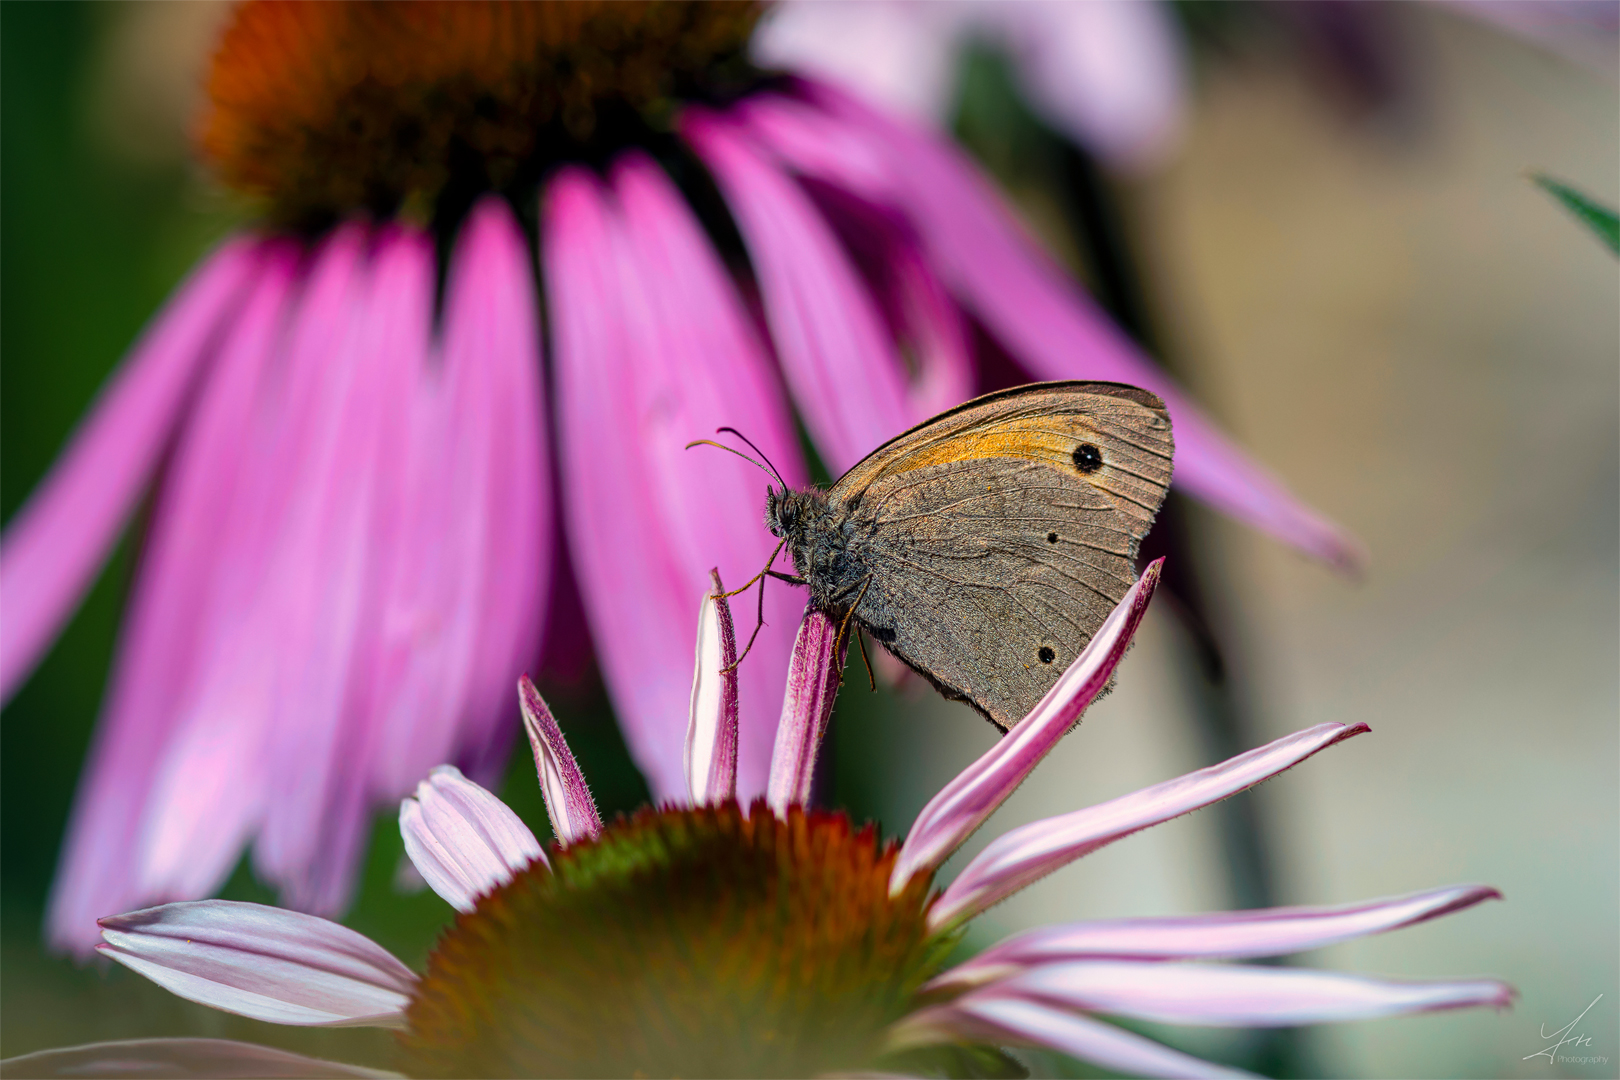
point(368, 452)
point(707, 938)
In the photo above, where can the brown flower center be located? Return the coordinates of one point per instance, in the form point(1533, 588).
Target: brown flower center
point(324, 108)
point(690, 942)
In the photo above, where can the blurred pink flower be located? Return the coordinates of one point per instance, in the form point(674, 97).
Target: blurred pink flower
point(355, 526)
point(481, 1008)
point(1109, 73)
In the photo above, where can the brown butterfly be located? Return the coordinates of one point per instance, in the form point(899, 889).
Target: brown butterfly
point(984, 547)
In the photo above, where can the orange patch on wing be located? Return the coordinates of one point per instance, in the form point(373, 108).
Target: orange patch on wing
point(1034, 438)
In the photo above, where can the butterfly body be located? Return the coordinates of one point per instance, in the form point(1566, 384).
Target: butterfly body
point(985, 546)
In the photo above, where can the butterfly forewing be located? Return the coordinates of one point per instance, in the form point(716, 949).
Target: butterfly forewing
point(998, 536)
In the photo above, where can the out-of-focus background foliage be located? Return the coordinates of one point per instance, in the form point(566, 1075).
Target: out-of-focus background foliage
point(1359, 279)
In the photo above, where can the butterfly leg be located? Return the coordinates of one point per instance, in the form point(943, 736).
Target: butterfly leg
point(843, 628)
point(759, 622)
point(871, 680)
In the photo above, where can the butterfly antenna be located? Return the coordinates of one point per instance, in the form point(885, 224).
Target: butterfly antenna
point(731, 450)
point(756, 450)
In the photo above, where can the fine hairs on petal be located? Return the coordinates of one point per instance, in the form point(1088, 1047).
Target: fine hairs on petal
point(711, 733)
point(568, 801)
point(812, 688)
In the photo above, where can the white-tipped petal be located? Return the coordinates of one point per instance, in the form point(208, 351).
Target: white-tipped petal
point(462, 839)
point(1034, 1023)
point(963, 804)
point(267, 963)
point(1017, 858)
point(711, 731)
point(568, 800)
point(225, 1059)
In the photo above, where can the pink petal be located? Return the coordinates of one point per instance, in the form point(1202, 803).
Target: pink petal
point(1226, 935)
point(491, 319)
point(1015, 859)
point(325, 595)
point(840, 364)
point(813, 680)
point(652, 353)
point(1020, 294)
point(202, 562)
point(223, 1058)
point(568, 800)
point(267, 963)
point(963, 804)
point(698, 366)
point(55, 543)
point(462, 839)
point(1227, 995)
point(1033, 1023)
point(711, 734)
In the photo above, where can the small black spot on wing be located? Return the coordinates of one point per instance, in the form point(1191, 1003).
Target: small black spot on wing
point(1046, 654)
point(1051, 538)
point(1087, 458)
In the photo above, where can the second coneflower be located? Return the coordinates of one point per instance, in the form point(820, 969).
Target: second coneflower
point(706, 938)
point(351, 418)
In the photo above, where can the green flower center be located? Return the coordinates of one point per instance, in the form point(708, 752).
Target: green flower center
point(324, 109)
point(682, 942)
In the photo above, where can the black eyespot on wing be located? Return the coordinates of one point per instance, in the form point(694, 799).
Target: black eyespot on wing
point(1046, 654)
point(1051, 538)
point(1087, 458)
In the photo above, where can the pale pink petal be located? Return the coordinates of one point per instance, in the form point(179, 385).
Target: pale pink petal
point(963, 804)
point(463, 839)
point(813, 679)
point(1585, 31)
point(491, 319)
point(568, 801)
point(223, 1059)
point(899, 54)
point(635, 590)
point(696, 365)
point(711, 733)
point(1023, 1022)
point(1034, 309)
point(55, 543)
point(184, 604)
point(267, 963)
point(1106, 72)
point(1026, 854)
point(1234, 995)
point(838, 360)
point(1227, 935)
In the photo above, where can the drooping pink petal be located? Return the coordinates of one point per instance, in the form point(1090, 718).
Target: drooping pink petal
point(652, 353)
point(1226, 935)
point(491, 319)
point(268, 963)
point(203, 559)
point(697, 366)
point(711, 733)
point(568, 801)
point(50, 552)
point(634, 588)
point(836, 356)
point(1034, 309)
point(813, 680)
point(963, 804)
point(1024, 1022)
point(325, 591)
point(1236, 995)
point(1026, 854)
point(222, 1058)
point(463, 839)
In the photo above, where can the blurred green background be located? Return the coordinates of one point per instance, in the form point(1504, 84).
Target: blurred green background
point(1364, 286)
